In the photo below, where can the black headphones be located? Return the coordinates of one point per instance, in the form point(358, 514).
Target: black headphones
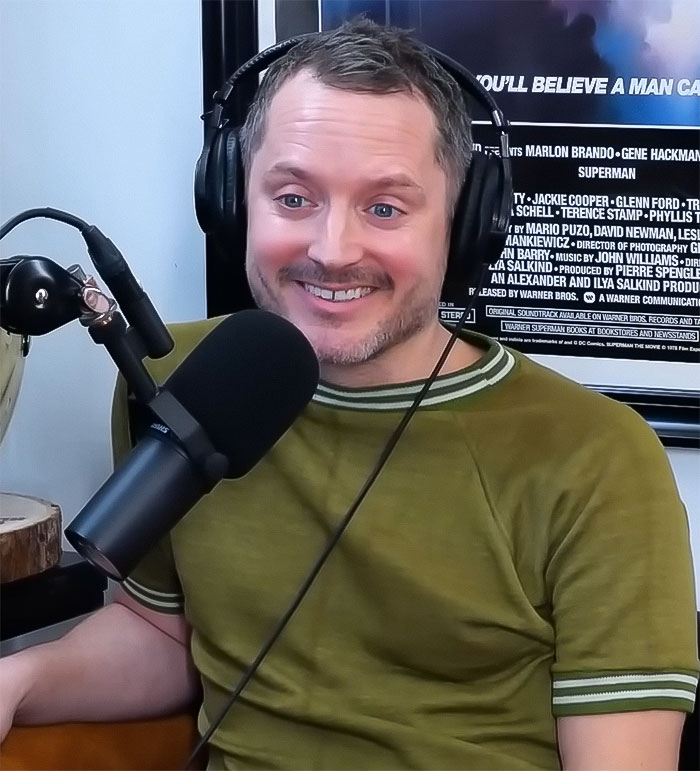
point(481, 216)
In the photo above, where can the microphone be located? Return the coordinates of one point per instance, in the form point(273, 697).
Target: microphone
point(217, 415)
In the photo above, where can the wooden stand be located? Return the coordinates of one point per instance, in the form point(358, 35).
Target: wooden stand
point(30, 536)
point(11, 368)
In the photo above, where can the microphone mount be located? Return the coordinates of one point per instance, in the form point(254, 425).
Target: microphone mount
point(39, 296)
point(112, 269)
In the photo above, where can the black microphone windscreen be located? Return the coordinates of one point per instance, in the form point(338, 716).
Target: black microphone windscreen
point(245, 383)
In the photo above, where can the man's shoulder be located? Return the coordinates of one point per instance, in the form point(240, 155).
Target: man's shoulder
point(541, 385)
point(546, 404)
point(530, 386)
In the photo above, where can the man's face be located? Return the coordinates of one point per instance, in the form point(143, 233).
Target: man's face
point(347, 219)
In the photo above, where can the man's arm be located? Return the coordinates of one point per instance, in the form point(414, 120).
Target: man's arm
point(621, 741)
point(123, 662)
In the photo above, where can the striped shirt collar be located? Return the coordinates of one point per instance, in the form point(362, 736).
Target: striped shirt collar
point(491, 368)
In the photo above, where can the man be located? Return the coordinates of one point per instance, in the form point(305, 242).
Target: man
point(515, 591)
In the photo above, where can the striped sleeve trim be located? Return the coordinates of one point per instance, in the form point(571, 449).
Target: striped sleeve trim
point(163, 602)
point(590, 693)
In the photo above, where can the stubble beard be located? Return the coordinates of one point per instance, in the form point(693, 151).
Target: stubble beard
point(418, 310)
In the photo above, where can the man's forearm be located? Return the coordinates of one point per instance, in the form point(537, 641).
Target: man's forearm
point(115, 665)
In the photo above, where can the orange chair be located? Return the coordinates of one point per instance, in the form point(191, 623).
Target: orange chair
point(144, 745)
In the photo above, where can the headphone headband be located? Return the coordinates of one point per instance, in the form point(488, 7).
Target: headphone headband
point(262, 60)
point(483, 209)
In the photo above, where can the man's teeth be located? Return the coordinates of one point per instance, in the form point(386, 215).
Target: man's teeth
point(341, 295)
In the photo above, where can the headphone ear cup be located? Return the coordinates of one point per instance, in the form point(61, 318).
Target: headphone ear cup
point(228, 188)
point(492, 216)
point(220, 190)
point(465, 224)
point(471, 240)
point(202, 204)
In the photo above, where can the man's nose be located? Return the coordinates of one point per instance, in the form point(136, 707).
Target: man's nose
point(335, 241)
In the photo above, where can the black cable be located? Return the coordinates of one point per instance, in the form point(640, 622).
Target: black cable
point(332, 542)
point(48, 213)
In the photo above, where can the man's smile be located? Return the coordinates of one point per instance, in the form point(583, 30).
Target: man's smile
point(337, 295)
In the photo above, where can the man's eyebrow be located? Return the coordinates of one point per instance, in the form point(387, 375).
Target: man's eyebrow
point(398, 180)
point(288, 168)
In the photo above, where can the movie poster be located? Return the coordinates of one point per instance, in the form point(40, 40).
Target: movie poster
point(603, 97)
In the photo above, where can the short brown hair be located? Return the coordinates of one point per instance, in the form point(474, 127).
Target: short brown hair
point(364, 57)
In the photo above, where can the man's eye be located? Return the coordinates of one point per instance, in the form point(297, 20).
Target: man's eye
point(384, 211)
point(292, 200)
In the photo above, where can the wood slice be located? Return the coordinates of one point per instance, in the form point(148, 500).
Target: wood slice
point(30, 536)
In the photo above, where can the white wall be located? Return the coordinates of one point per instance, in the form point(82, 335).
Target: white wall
point(99, 116)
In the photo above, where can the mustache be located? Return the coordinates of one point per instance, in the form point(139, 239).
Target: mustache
point(313, 273)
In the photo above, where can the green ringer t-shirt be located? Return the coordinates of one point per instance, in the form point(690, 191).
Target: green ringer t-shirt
point(523, 555)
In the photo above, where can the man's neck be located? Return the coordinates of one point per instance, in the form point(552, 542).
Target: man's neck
point(409, 361)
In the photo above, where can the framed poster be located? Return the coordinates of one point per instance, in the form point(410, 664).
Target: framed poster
point(600, 277)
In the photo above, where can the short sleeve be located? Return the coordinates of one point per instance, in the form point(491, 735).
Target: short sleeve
point(154, 581)
point(621, 580)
